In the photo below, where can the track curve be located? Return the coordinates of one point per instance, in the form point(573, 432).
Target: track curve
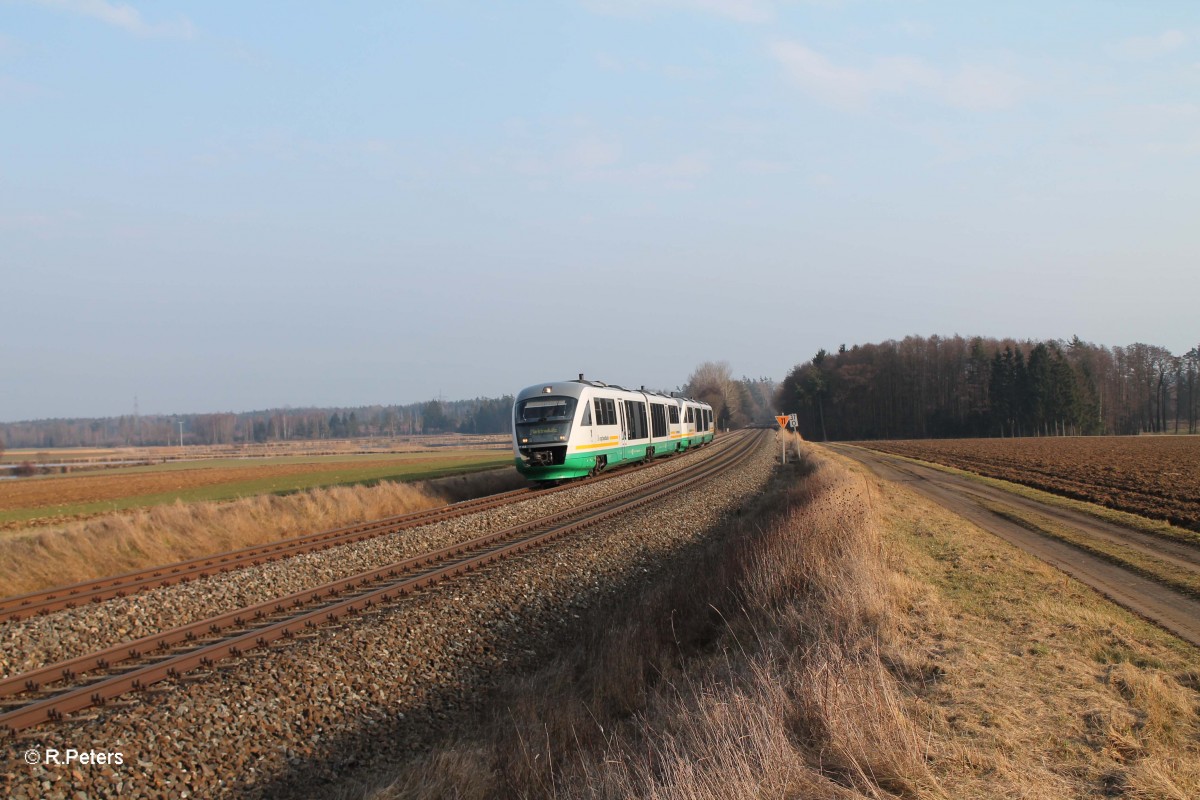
point(281, 618)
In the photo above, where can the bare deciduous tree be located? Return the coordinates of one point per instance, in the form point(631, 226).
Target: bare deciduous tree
point(712, 383)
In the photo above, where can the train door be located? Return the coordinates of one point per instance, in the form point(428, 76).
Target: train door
point(637, 410)
point(624, 421)
point(658, 421)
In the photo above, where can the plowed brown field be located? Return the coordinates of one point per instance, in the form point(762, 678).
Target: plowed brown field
point(1152, 476)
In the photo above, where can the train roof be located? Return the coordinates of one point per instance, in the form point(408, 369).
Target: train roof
point(574, 388)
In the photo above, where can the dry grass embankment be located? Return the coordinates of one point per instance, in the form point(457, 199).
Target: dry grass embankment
point(1043, 689)
point(847, 639)
point(116, 543)
point(759, 670)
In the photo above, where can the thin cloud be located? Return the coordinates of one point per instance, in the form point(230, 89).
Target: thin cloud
point(13, 89)
point(592, 153)
point(748, 11)
point(1141, 47)
point(915, 29)
point(123, 16)
point(971, 88)
point(596, 158)
point(763, 166)
point(681, 170)
point(26, 222)
point(740, 10)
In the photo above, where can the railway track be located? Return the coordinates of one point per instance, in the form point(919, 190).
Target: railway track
point(57, 598)
point(99, 677)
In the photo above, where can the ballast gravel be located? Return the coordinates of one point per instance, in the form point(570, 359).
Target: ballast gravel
point(31, 643)
point(341, 698)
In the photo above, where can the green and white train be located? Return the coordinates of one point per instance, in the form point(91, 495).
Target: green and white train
point(571, 429)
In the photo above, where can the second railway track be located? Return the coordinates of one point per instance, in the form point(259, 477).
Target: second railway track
point(171, 653)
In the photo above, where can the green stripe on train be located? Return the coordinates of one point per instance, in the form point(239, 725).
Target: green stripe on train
point(579, 465)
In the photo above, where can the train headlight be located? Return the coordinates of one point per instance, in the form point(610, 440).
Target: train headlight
point(524, 441)
point(562, 438)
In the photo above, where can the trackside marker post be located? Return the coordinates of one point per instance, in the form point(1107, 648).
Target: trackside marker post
point(783, 423)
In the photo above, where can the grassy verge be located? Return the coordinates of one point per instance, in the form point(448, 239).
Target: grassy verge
point(1145, 525)
point(1156, 569)
point(116, 543)
point(843, 639)
point(1038, 687)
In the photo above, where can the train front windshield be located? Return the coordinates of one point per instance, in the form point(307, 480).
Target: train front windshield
point(544, 419)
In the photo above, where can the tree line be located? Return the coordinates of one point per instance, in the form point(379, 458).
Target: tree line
point(958, 387)
point(736, 402)
point(481, 415)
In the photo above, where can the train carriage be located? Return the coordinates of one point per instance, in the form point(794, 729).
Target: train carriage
point(570, 429)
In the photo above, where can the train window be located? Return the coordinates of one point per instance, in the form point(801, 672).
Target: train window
point(687, 414)
point(587, 415)
point(658, 419)
point(673, 412)
point(606, 411)
point(546, 409)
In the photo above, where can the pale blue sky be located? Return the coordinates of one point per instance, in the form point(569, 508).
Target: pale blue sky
point(228, 206)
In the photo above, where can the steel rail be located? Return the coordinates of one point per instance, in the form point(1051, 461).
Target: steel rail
point(100, 589)
point(163, 641)
point(531, 534)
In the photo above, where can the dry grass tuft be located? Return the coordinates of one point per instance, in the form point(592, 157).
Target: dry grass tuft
point(118, 543)
point(459, 774)
point(1164, 709)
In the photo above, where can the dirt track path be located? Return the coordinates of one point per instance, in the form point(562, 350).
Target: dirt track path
point(1172, 610)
